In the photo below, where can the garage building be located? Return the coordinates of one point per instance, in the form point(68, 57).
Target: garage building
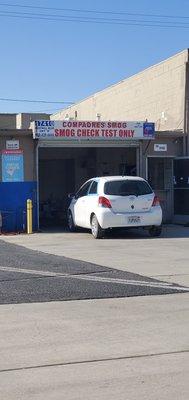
point(46, 169)
point(159, 94)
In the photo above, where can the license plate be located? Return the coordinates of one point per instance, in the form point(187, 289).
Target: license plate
point(133, 219)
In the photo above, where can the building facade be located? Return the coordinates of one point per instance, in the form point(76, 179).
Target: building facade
point(159, 94)
point(18, 178)
point(46, 169)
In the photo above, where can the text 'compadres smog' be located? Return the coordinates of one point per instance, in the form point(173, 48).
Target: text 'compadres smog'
point(93, 129)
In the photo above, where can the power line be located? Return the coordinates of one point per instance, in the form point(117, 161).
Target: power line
point(88, 19)
point(94, 11)
point(47, 17)
point(49, 111)
point(36, 101)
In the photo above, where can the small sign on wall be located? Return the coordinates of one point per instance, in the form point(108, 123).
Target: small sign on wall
point(12, 144)
point(160, 147)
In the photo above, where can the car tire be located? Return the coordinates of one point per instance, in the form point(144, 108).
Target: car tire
point(155, 231)
point(71, 224)
point(96, 229)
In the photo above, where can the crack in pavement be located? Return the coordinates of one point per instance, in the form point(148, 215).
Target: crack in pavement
point(69, 363)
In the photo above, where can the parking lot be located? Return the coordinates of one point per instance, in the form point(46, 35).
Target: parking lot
point(164, 258)
point(122, 331)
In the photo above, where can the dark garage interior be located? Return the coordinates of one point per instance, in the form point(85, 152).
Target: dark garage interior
point(62, 170)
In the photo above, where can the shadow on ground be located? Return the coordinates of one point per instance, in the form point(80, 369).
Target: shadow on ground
point(168, 231)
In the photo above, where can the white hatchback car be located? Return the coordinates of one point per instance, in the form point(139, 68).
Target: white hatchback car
point(113, 202)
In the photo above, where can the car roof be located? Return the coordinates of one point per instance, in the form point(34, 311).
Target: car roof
point(118, 177)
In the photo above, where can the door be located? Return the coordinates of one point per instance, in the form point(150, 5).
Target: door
point(91, 202)
point(160, 177)
point(80, 203)
point(181, 186)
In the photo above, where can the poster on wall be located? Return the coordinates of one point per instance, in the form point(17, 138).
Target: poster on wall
point(12, 166)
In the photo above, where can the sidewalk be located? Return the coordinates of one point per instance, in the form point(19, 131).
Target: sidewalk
point(132, 348)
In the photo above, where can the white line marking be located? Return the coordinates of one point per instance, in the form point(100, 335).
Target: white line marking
point(131, 282)
point(28, 271)
point(93, 278)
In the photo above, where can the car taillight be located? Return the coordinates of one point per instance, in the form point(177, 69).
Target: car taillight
point(104, 202)
point(156, 201)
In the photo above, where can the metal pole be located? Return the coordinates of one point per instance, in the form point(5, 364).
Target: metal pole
point(37, 177)
point(185, 137)
point(29, 216)
point(140, 160)
point(1, 222)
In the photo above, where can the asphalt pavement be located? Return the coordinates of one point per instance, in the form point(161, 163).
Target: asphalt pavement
point(32, 276)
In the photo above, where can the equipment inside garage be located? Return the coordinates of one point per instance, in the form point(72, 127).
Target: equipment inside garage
point(62, 170)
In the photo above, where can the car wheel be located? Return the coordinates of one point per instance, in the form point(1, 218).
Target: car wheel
point(96, 229)
point(155, 231)
point(71, 225)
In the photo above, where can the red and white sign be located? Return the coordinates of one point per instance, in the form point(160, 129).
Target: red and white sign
point(12, 152)
point(93, 130)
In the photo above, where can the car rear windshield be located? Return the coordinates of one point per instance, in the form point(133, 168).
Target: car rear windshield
point(127, 188)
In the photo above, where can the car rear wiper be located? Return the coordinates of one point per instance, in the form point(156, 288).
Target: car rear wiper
point(128, 194)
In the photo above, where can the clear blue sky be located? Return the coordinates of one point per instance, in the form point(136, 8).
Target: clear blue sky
point(67, 61)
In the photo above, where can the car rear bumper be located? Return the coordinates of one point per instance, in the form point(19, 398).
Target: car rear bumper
point(108, 219)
